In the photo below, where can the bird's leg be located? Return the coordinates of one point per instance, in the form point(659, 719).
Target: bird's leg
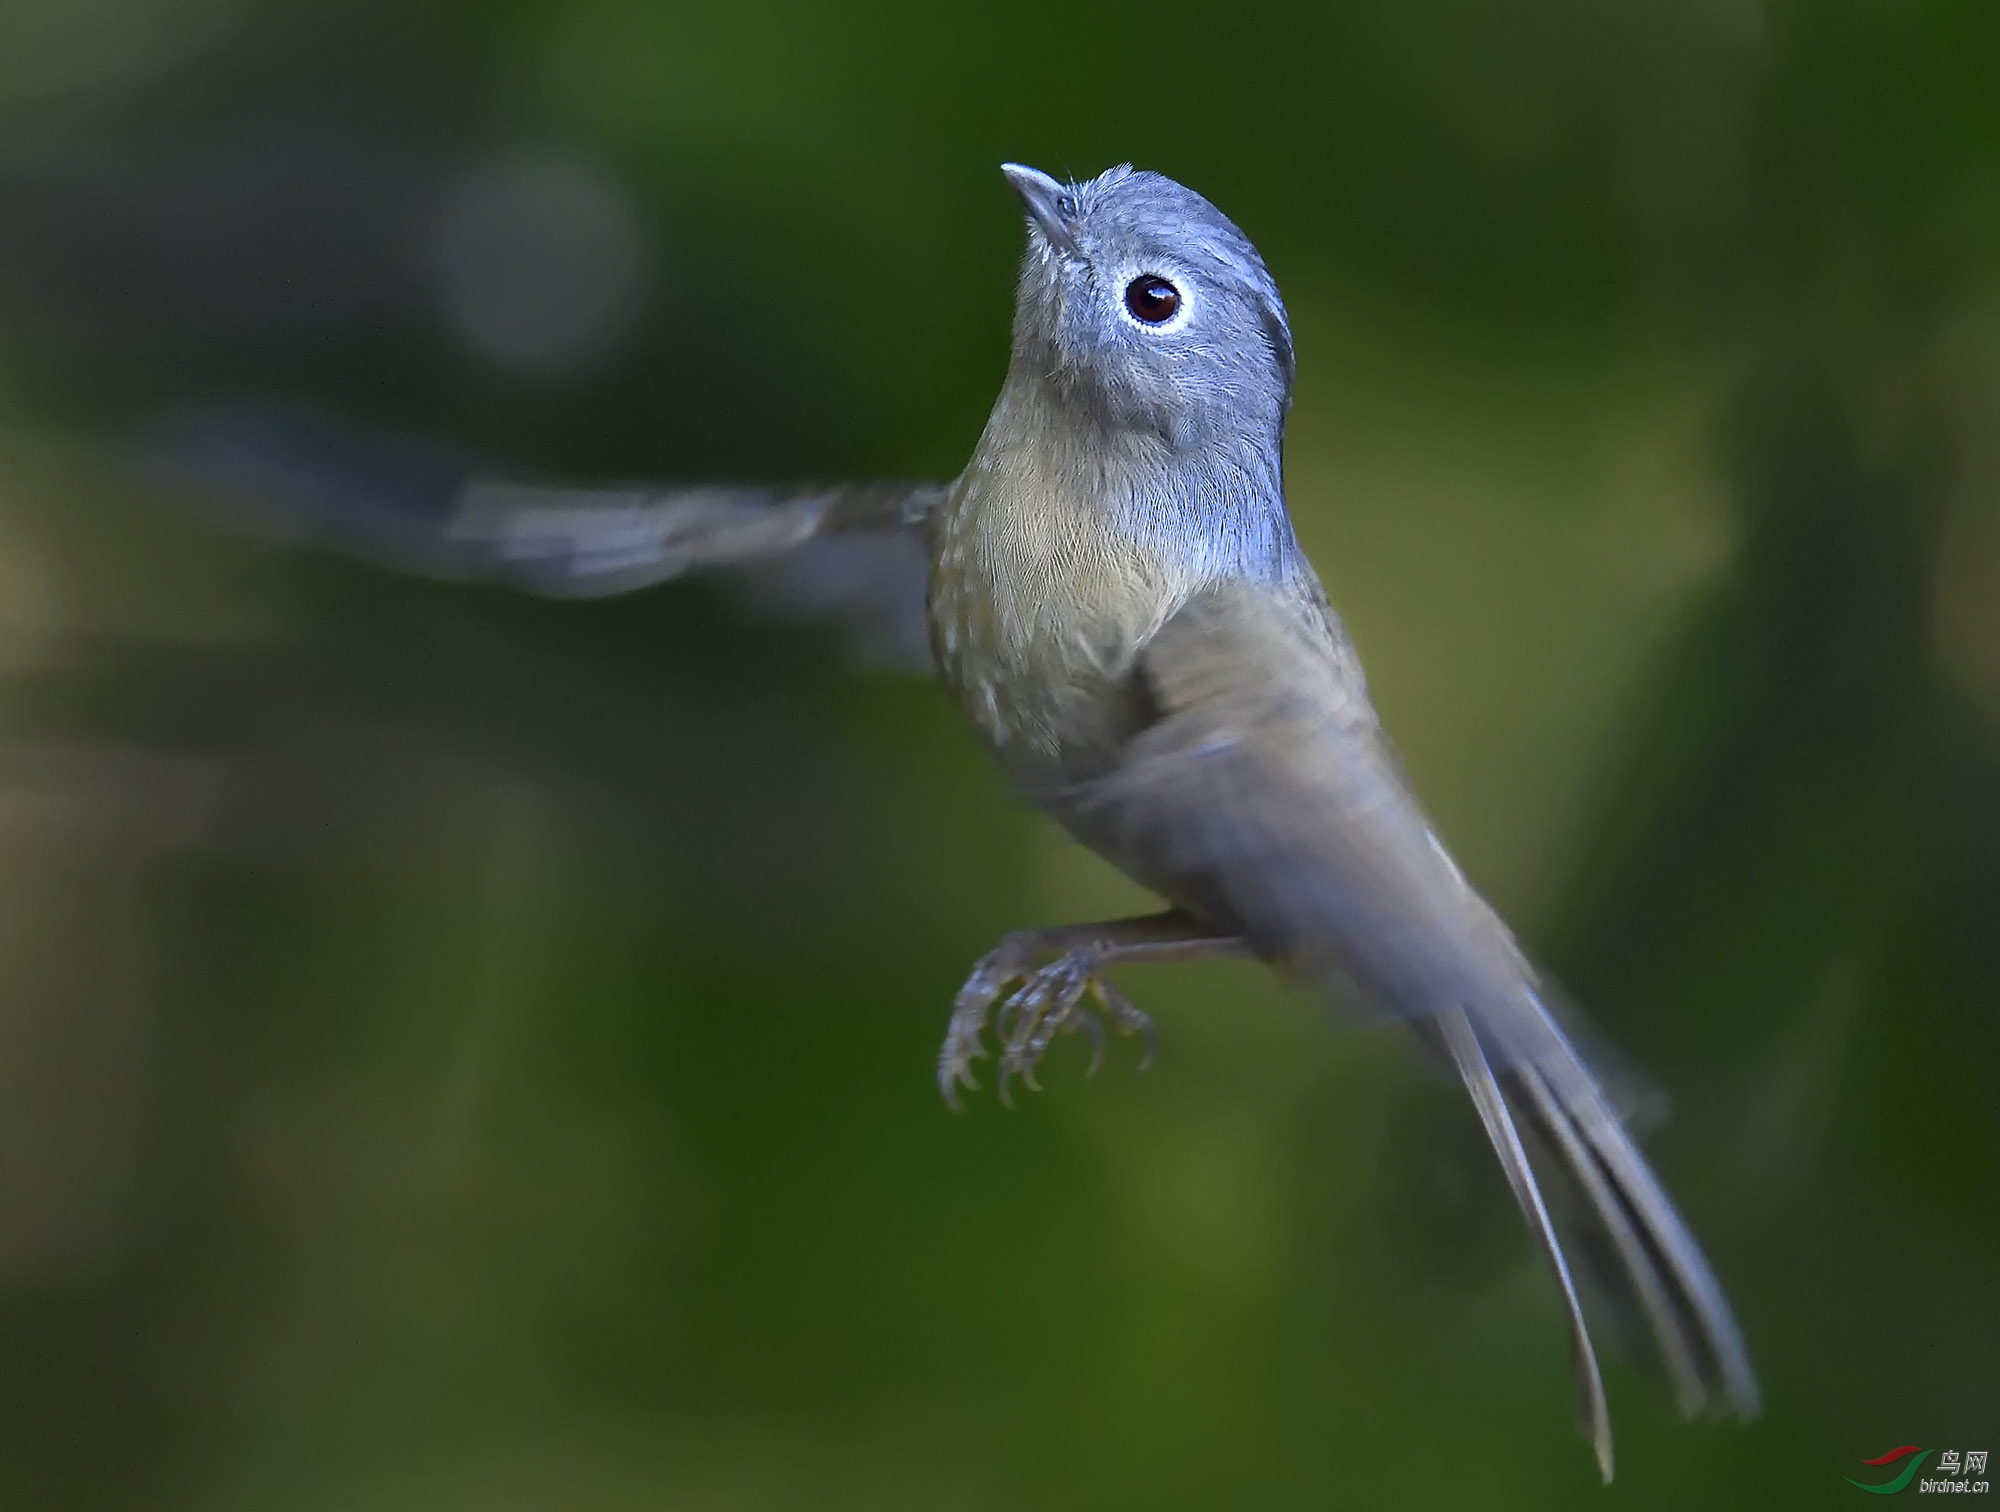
point(1049, 1000)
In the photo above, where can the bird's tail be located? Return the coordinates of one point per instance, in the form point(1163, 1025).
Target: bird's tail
point(1669, 1277)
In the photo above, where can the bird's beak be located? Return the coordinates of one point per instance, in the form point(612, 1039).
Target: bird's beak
point(1046, 201)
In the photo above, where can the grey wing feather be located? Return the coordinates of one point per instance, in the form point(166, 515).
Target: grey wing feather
point(1272, 806)
point(851, 553)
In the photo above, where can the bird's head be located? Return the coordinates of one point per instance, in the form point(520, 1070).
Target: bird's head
point(1142, 301)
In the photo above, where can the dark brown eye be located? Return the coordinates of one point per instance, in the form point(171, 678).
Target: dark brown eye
point(1152, 299)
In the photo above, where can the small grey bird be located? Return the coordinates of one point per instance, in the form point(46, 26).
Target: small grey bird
point(1118, 604)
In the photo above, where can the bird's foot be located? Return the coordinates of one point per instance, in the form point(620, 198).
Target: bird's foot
point(1049, 1002)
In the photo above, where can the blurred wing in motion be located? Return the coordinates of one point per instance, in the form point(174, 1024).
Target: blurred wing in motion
point(852, 553)
point(1272, 807)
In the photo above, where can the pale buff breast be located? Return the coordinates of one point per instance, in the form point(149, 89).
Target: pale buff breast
point(1038, 610)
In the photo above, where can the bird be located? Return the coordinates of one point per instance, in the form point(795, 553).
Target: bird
point(1113, 594)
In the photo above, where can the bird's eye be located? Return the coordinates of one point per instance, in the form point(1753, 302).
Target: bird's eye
point(1152, 299)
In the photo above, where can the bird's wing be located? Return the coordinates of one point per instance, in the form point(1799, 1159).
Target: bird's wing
point(1265, 798)
point(850, 553)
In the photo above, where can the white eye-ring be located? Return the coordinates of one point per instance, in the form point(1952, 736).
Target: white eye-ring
point(1154, 303)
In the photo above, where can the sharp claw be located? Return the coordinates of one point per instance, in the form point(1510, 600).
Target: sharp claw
point(1044, 1006)
point(1151, 1033)
point(952, 1074)
point(1129, 1018)
point(1089, 1024)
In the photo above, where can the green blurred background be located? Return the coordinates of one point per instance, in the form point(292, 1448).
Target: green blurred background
point(460, 1051)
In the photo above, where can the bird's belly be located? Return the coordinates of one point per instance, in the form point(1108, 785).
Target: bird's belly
point(1040, 659)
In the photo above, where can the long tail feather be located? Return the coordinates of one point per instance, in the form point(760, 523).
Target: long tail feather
point(1573, 1095)
point(1463, 1042)
point(1665, 1318)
